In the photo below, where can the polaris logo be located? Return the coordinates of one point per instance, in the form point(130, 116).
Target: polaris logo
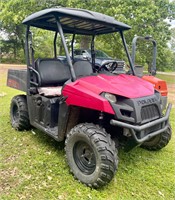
point(146, 101)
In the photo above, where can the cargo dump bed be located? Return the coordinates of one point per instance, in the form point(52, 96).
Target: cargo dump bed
point(17, 79)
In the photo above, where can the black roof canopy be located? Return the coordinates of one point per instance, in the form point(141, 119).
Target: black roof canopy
point(75, 21)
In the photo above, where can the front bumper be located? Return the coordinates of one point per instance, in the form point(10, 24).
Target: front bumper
point(138, 131)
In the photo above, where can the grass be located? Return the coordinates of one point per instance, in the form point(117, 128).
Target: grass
point(169, 78)
point(33, 166)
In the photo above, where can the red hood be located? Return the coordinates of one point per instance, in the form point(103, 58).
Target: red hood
point(123, 85)
point(85, 91)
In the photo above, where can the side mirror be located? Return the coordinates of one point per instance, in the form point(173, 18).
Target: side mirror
point(153, 72)
point(85, 56)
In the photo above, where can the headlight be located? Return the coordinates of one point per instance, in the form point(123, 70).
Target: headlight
point(110, 97)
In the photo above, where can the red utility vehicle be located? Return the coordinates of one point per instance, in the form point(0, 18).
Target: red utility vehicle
point(90, 111)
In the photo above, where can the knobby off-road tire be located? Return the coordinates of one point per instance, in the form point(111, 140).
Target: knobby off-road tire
point(91, 155)
point(19, 113)
point(159, 141)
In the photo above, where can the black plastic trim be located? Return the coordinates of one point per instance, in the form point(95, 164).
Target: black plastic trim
point(134, 129)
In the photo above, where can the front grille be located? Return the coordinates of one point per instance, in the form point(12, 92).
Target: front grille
point(149, 113)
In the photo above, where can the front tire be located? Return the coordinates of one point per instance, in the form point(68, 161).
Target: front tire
point(19, 113)
point(158, 142)
point(91, 155)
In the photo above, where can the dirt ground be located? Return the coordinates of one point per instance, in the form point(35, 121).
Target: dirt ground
point(5, 67)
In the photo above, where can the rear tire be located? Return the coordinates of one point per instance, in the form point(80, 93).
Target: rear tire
point(91, 155)
point(19, 113)
point(159, 141)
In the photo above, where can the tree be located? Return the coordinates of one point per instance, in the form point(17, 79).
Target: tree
point(172, 41)
point(12, 14)
point(146, 17)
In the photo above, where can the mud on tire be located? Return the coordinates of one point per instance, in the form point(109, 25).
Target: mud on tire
point(91, 155)
point(19, 113)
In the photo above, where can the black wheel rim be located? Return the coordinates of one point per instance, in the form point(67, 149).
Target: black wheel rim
point(84, 157)
point(15, 113)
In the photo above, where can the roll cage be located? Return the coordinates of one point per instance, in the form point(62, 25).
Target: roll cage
point(73, 21)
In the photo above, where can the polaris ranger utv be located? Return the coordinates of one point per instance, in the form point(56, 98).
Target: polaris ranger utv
point(90, 110)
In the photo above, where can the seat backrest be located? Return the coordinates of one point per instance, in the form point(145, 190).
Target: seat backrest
point(52, 72)
point(82, 68)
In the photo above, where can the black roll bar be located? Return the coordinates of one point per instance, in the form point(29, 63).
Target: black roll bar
point(28, 58)
point(127, 53)
point(93, 52)
point(72, 46)
point(55, 46)
point(27, 45)
point(66, 49)
point(147, 38)
point(31, 50)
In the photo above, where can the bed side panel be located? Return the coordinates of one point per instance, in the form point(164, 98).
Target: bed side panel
point(17, 79)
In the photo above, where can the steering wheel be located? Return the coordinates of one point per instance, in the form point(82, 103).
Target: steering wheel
point(108, 66)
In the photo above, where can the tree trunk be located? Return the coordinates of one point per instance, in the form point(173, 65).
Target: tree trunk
point(61, 49)
point(85, 42)
point(23, 46)
point(14, 49)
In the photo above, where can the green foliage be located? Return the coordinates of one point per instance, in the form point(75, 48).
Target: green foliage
point(11, 16)
point(42, 43)
point(172, 41)
point(146, 17)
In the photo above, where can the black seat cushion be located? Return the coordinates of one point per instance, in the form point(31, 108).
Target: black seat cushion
point(82, 68)
point(52, 72)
